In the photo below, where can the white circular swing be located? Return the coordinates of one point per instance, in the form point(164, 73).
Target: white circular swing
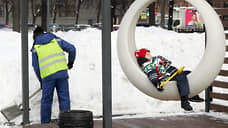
point(205, 72)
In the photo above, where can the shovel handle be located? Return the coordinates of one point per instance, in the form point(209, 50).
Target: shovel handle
point(31, 96)
point(177, 72)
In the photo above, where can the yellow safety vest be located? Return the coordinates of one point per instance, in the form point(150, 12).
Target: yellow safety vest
point(51, 58)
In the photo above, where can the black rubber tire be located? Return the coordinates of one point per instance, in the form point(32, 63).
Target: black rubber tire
point(80, 115)
point(76, 125)
point(76, 119)
point(77, 122)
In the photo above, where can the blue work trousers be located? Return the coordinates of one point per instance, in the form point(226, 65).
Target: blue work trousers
point(182, 83)
point(62, 89)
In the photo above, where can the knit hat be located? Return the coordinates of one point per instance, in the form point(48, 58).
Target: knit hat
point(141, 52)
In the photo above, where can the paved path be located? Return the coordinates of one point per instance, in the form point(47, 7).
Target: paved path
point(194, 121)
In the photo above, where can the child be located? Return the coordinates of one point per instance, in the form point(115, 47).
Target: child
point(159, 69)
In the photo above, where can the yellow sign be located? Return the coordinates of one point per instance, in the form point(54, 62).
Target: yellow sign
point(143, 16)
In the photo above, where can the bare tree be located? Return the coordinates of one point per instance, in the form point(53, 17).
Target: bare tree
point(87, 3)
point(35, 11)
point(6, 2)
point(66, 8)
point(77, 6)
point(8, 9)
point(123, 9)
point(162, 5)
point(54, 11)
point(113, 12)
point(16, 15)
point(98, 10)
point(44, 14)
point(124, 5)
point(152, 14)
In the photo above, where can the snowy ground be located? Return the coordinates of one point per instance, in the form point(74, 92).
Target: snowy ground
point(85, 77)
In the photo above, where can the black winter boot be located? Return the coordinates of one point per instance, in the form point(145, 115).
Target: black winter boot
point(185, 104)
point(196, 98)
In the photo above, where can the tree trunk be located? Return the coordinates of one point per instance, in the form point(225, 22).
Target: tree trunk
point(66, 7)
point(44, 15)
point(7, 11)
point(16, 15)
point(170, 22)
point(34, 20)
point(59, 9)
point(54, 17)
point(98, 10)
point(54, 12)
point(152, 14)
point(78, 5)
point(33, 12)
point(124, 6)
point(113, 20)
point(162, 3)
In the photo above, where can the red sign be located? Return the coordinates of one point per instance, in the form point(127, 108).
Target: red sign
point(190, 17)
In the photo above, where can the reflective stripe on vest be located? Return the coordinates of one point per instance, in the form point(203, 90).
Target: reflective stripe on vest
point(51, 58)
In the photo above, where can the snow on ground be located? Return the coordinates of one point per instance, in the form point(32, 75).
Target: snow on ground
point(85, 78)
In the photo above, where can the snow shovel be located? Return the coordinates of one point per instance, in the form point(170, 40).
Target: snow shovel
point(14, 111)
point(177, 72)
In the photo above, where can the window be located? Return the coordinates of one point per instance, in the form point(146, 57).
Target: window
point(225, 4)
point(225, 17)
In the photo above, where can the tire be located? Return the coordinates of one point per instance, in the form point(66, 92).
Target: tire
point(76, 119)
point(77, 125)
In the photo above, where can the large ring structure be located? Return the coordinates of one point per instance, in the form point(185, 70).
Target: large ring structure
point(204, 73)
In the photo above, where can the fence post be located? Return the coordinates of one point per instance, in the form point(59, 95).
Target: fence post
point(170, 21)
point(207, 100)
point(106, 64)
point(24, 61)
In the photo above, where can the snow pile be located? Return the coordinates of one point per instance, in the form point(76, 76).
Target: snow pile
point(85, 78)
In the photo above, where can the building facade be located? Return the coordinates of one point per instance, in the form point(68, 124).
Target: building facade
point(64, 10)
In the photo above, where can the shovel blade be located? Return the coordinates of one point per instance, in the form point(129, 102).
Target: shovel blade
point(11, 112)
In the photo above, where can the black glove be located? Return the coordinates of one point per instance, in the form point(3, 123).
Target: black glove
point(156, 82)
point(153, 77)
point(70, 65)
point(41, 84)
point(160, 89)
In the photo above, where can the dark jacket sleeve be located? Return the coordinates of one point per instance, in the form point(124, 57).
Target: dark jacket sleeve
point(171, 70)
point(152, 75)
point(69, 48)
point(35, 64)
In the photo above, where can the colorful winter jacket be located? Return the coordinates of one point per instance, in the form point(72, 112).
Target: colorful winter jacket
point(67, 47)
point(157, 68)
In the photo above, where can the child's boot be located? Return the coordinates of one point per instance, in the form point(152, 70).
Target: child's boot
point(196, 98)
point(185, 103)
